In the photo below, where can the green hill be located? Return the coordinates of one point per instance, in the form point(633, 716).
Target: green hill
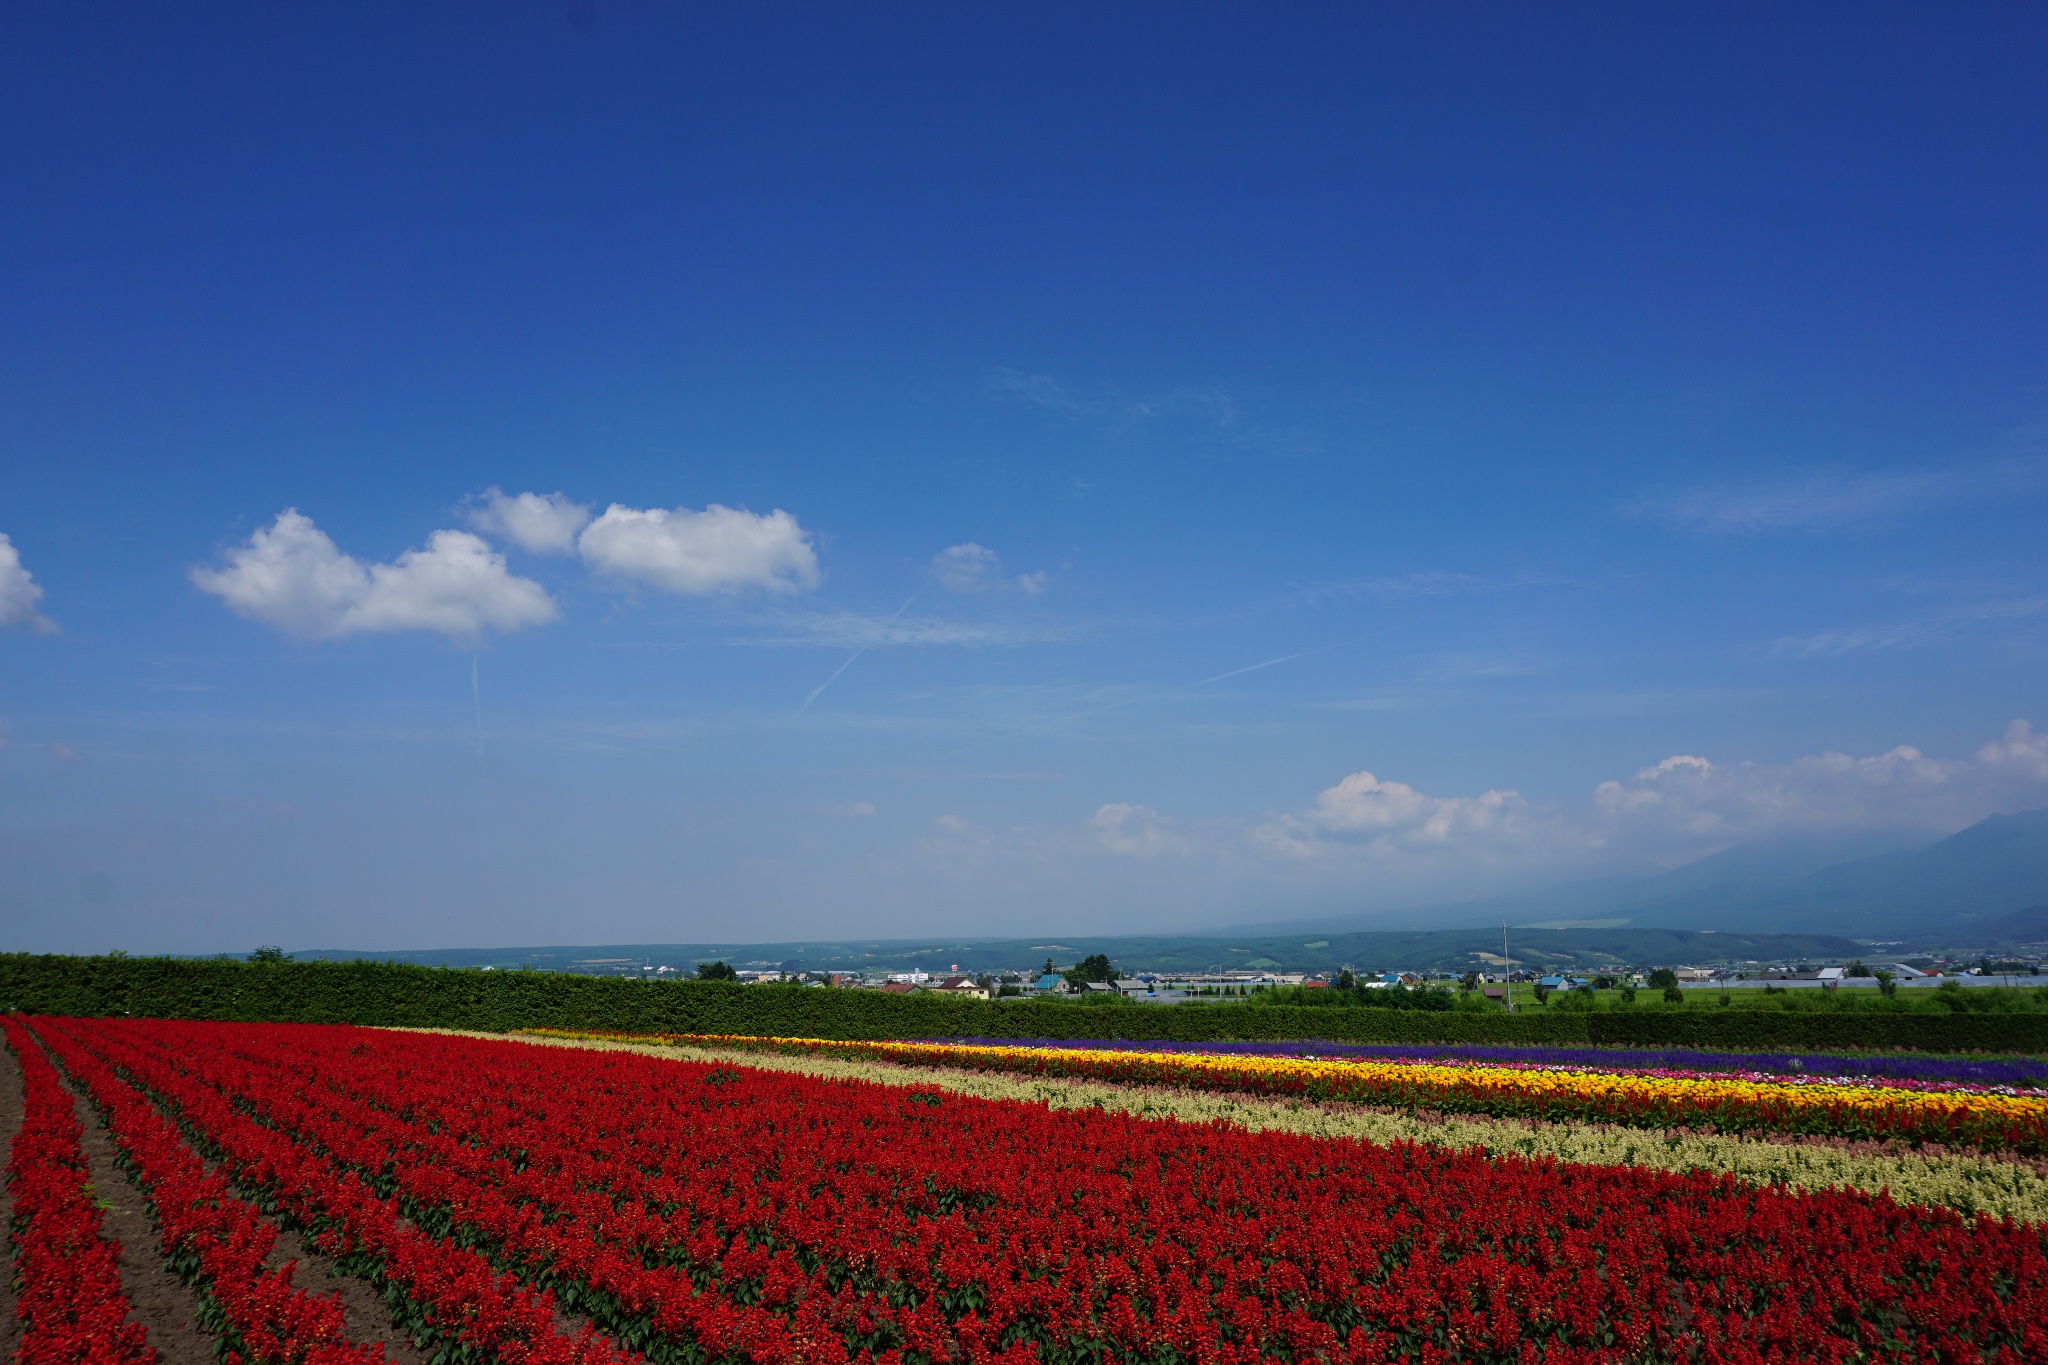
point(1455, 950)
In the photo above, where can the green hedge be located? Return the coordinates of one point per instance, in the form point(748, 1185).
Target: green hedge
point(395, 993)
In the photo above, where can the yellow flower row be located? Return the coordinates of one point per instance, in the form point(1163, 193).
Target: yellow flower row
point(1367, 1073)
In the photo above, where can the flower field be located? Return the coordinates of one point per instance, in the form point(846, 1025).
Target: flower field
point(1974, 1183)
point(521, 1203)
point(71, 1305)
point(1918, 1110)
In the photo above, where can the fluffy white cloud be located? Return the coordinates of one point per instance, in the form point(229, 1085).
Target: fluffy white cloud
point(975, 568)
point(964, 568)
point(1362, 810)
point(2020, 755)
point(695, 554)
point(1680, 807)
point(19, 592)
point(1135, 831)
point(290, 576)
point(544, 523)
point(1695, 798)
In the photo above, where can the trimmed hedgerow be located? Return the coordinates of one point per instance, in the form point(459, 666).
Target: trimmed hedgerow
point(401, 994)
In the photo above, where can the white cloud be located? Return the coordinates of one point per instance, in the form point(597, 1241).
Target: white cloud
point(1819, 498)
point(1960, 620)
point(1363, 810)
point(1135, 831)
point(696, 554)
point(965, 568)
point(1682, 806)
point(1690, 799)
point(1035, 390)
point(19, 593)
point(544, 523)
point(975, 568)
point(1369, 843)
point(2021, 754)
point(290, 576)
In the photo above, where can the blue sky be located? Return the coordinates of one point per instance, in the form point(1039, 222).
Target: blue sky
point(1020, 468)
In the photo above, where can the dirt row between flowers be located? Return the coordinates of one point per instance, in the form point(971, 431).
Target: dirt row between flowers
point(1973, 1183)
point(165, 1306)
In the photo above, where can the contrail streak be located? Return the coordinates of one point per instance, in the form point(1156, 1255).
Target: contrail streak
point(819, 690)
point(1171, 691)
point(1253, 668)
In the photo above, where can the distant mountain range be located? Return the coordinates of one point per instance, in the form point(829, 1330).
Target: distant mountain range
point(1939, 894)
point(1985, 887)
point(1954, 888)
point(1439, 950)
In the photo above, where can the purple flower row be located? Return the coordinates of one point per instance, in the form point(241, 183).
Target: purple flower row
point(2023, 1072)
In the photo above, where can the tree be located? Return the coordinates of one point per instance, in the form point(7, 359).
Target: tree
point(1346, 980)
point(1605, 982)
point(716, 971)
point(1664, 978)
point(1470, 982)
point(1049, 968)
point(1856, 969)
point(270, 952)
point(1094, 967)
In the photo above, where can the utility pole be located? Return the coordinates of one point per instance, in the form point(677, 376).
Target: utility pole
point(1507, 968)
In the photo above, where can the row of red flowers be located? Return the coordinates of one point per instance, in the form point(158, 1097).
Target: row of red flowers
point(722, 1213)
point(71, 1306)
point(446, 1292)
point(215, 1241)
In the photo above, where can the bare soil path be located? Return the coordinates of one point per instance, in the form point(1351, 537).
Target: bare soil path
point(368, 1319)
point(162, 1303)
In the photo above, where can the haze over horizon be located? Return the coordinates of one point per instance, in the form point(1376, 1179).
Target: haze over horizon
point(596, 474)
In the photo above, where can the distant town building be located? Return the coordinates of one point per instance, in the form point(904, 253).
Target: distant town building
point(961, 988)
